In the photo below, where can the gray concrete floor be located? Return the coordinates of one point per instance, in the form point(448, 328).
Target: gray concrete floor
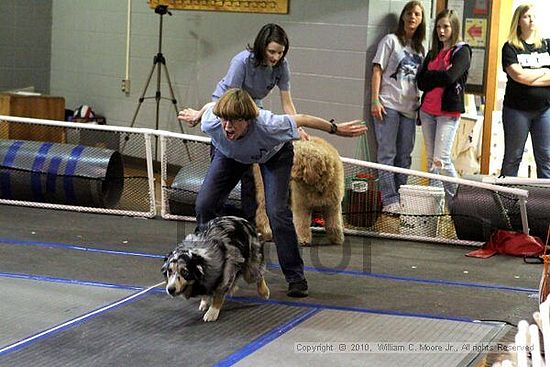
point(366, 275)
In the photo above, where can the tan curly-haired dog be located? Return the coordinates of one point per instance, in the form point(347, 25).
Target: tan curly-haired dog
point(317, 183)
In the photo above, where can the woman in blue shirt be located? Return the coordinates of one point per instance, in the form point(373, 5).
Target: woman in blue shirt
point(260, 68)
point(257, 70)
point(243, 134)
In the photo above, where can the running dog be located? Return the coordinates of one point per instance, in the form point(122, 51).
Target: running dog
point(208, 264)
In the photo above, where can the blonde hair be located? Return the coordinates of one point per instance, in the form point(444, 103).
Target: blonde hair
point(236, 104)
point(514, 37)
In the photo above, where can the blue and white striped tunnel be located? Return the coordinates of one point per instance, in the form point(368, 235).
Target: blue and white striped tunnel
point(60, 173)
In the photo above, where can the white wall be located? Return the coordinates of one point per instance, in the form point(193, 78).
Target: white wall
point(331, 47)
point(25, 33)
point(328, 40)
point(542, 10)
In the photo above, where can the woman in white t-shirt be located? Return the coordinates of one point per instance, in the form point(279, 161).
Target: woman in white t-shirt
point(395, 98)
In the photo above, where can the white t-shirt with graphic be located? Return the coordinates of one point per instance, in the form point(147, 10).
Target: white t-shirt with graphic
point(399, 64)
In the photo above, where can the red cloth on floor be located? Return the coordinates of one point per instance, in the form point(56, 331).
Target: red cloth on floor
point(510, 243)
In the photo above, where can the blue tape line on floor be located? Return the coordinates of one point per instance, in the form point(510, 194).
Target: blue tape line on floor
point(351, 309)
point(276, 266)
point(77, 248)
point(265, 339)
point(237, 299)
point(412, 279)
point(76, 321)
point(68, 281)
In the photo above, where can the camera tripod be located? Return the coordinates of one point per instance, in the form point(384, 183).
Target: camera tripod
point(159, 63)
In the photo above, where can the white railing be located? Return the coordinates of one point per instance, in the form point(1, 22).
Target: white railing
point(177, 151)
point(142, 151)
point(167, 141)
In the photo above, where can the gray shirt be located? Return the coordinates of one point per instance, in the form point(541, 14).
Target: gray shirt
point(399, 64)
point(266, 135)
point(258, 81)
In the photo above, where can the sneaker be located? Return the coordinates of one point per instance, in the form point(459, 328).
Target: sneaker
point(393, 208)
point(297, 289)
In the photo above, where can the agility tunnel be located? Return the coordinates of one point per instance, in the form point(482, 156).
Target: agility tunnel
point(185, 188)
point(60, 173)
point(477, 213)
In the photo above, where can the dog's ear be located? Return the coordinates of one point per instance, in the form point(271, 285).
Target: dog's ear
point(164, 267)
point(193, 266)
point(196, 266)
point(193, 272)
point(199, 271)
point(191, 237)
point(309, 165)
point(313, 163)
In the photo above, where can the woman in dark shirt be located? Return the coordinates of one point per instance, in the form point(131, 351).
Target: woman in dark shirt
point(526, 61)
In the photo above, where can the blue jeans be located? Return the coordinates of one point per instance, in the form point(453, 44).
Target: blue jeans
point(439, 134)
point(248, 196)
point(517, 125)
point(224, 174)
point(395, 138)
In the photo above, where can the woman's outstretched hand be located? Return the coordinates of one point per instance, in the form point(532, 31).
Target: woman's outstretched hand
point(351, 128)
point(190, 116)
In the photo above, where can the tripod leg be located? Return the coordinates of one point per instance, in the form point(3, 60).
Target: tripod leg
point(174, 101)
point(158, 93)
point(141, 99)
point(158, 96)
point(175, 104)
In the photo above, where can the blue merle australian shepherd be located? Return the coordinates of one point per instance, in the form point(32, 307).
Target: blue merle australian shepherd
point(209, 264)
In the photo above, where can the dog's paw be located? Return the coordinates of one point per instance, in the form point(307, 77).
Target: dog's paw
point(335, 236)
point(305, 243)
point(263, 289)
point(231, 291)
point(265, 235)
point(205, 302)
point(211, 315)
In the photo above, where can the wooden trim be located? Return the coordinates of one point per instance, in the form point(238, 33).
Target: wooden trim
point(440, 5)
point(490, 87)
point(245, 6)
point(501, 15)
